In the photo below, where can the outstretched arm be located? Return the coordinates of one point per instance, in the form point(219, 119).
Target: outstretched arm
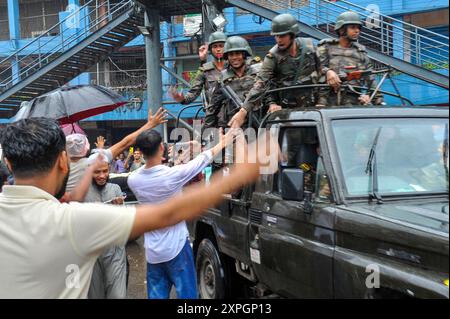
point(196, 199)
point(188, 171)
point(129, 140)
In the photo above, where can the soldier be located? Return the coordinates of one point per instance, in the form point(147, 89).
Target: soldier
point(340, 56)
point(292, 61)
point(206, 78)
point(239, 75)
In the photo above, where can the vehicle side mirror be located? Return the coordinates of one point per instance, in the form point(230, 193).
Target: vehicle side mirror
point(292, 187)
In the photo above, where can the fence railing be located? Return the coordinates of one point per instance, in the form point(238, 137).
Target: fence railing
point(74, 28)
point(383, 33)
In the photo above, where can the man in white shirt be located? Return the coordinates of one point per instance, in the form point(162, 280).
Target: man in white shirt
point(170, 260)
point(48, 249)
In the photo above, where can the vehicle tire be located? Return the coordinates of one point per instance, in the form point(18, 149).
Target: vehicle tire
point(211, 280)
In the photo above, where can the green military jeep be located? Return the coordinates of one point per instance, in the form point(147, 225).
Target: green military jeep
point(357, 209)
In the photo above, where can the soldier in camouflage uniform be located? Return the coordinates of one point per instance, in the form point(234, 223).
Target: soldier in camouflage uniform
point(207, 76)
point(292, 61)
point(239, 75)
point(340, 56)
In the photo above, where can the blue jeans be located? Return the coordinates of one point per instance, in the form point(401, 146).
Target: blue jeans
point(179, 272)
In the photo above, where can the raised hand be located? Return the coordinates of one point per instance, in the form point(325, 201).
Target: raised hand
point(176, 96)
point(100, 142)
point(203, 52)
point(158, 118)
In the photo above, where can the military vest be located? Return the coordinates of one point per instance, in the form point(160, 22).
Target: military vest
point(212, 75)
point(291, 70)
point(240, 85)
point(340, 59)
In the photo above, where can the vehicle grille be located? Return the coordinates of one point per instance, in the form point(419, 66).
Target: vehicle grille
point(255, 216)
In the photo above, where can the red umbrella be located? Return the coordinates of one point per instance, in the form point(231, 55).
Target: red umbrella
point(70, 104)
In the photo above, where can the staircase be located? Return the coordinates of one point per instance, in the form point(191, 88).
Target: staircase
point(407, 48)
point(85, 38)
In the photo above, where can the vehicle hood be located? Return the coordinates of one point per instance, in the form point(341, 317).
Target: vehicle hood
point(429, 216)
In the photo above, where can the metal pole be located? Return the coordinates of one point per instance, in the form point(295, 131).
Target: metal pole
point(152, 58)
point(417, 47)
point(378, 87)
point(317, 14)
point(96, 14)
point(177, 58)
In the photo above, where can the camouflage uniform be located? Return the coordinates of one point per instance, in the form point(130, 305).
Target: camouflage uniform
point(332, 56)
point(225, 108)
point(206, 78)
point(279, 69)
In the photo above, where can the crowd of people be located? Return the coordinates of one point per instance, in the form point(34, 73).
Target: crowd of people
point(49, 230)
point(59, 208)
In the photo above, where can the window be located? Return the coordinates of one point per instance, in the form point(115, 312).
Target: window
point(299, 149)
point(323, 189)
point(411, 155)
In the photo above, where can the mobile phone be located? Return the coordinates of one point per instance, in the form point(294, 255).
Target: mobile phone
point(166, 153)
point(124, 195)
point(109, 201)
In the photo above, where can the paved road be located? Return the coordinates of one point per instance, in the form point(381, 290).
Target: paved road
point(137, 285)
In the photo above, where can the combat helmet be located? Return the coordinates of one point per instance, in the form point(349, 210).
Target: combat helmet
point(237, 43)
point(283, 24)
point(346, 18)
point(216, 37)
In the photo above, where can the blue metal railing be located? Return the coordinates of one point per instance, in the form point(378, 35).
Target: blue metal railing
point(383, 33)
point(74, 28)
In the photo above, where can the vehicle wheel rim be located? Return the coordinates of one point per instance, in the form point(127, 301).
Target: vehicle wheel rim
point(208, 280)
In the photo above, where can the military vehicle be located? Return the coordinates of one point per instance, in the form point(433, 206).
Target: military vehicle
point(358, 209)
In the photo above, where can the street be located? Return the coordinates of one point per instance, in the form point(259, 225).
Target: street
point(137, 281)
point(137, 284)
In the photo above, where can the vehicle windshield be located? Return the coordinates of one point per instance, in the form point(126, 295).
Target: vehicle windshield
point(411, 155)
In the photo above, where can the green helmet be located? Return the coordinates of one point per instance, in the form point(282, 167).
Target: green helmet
point(348, 17)
point(236, 43)
point(216, 37)
point(283, 24)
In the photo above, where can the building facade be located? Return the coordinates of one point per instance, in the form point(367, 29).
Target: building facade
point(21, 21)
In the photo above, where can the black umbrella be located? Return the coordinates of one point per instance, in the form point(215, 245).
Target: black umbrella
point(70, 104)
